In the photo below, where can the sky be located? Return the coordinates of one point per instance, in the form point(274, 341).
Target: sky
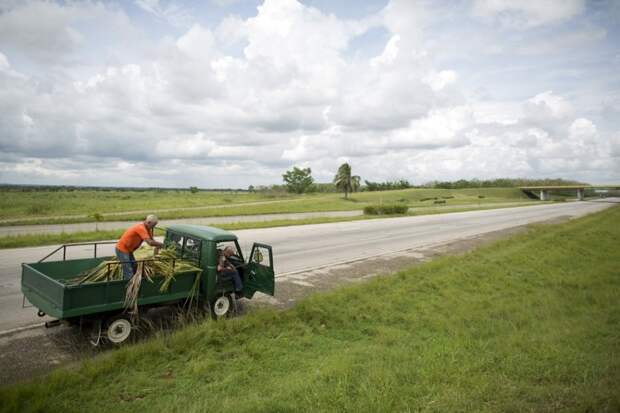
point(232, 93)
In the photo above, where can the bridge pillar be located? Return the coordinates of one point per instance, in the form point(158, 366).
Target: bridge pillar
point(580, 194)
point(544, 195)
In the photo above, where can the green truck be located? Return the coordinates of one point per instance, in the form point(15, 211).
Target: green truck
point(100, 306)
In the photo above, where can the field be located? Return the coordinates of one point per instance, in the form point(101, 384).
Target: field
point(81, 206)
point(527, 324)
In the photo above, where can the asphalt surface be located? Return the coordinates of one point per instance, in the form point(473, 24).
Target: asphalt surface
point(300, 248)
point(12, 230)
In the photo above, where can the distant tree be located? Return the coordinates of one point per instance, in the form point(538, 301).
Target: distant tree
point(98, 218)
point(251, 188)
point(193, 189)
point(298, 180)
point(344, 181)
point(324, 187)
point(386, 186)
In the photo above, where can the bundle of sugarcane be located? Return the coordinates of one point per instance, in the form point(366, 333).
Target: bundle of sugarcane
point(166, 264)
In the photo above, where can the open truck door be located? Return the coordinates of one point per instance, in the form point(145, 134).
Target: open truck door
point(260, 274)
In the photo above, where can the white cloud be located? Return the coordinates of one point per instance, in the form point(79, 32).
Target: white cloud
point(546, 104)
point(389, 55)
point(238, 102)
point(440, 80)
point(582, 129)
point(518, 14)
point(4, 63)
point(170, 12)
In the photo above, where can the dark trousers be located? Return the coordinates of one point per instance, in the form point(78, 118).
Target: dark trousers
point(236, 278)
point(128, 263)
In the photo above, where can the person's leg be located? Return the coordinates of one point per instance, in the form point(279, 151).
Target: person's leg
point(236, 279)
point(134, 264)
point(127, 264)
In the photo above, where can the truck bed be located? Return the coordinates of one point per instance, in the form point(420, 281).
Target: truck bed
point(43, 286)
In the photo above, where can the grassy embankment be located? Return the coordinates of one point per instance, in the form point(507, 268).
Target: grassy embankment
point(33, 240)
point(46, 207)
point(527, 324)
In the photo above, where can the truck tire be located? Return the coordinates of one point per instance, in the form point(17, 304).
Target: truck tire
point(221, 307)
point(118, 329)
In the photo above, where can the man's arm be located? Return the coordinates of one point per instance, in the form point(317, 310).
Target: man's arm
point(154, 243)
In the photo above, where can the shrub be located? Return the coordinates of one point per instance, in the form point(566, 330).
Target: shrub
point(385, 209)
point(481, 196)
point(440, 201)
point(447, 197)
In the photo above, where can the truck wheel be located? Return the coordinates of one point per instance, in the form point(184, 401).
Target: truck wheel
point(119, 329)
point(222, 306)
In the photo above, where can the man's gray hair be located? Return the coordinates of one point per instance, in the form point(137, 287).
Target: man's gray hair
point(151, 219)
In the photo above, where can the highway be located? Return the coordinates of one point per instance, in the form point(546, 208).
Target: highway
point(300, 248)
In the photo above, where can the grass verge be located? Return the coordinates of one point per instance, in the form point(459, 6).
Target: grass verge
point(526, 324)
point(34, 240)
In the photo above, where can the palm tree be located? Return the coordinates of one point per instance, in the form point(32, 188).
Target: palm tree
point(344, 181)
point(355, 183)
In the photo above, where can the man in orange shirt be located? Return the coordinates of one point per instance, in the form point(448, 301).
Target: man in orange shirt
point(131, 241)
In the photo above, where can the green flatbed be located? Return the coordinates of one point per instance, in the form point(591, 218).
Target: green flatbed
point(45, 286)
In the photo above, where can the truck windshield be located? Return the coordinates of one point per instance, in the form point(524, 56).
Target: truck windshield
point(191, 250)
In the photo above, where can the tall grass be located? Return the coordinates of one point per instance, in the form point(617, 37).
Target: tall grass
point(527, 324)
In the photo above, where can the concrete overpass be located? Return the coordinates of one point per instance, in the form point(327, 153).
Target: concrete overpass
point(542, 192)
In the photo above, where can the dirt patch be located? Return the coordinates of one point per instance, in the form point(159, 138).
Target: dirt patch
point(31, 353)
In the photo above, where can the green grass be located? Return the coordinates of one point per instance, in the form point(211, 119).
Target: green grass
point(78, 206)
point(33, 240)
point(17, 204)
point(531, 323)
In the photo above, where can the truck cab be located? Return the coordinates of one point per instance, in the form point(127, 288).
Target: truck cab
point(202, 245)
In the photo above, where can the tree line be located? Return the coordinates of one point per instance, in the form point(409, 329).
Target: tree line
point(500, 183)
point(299, 181)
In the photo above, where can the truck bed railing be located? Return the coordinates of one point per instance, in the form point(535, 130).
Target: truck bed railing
point(76, 244)
point(81, 244)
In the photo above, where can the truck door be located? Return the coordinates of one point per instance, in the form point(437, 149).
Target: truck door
point(259, 271)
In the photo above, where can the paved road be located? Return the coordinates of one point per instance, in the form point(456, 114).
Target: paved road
point(117, 225)
point(310, 246)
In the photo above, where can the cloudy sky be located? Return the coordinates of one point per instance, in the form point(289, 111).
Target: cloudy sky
point(228, 93)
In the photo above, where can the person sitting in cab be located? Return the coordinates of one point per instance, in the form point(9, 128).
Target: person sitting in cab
point(227, 269)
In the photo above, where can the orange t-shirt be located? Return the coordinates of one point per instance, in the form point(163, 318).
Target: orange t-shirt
point(132, 238)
